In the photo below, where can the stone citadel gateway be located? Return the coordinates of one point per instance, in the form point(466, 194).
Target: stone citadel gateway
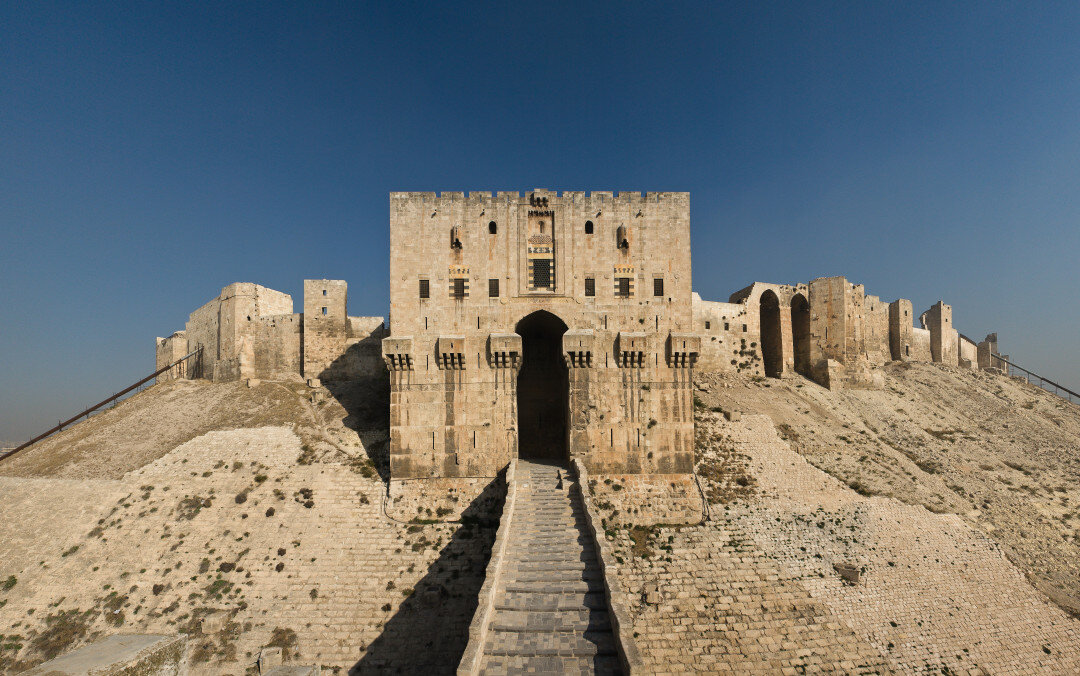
point(554, 326)
point(556, 457)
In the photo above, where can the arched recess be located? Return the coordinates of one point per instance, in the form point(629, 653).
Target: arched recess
point(543, 391)
point(772, 347)
point(800, 333)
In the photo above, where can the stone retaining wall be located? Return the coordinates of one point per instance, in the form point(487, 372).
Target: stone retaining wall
point(474, 652)
point(617, 603)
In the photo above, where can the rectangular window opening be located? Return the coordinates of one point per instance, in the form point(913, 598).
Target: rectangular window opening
point(658, 286)
point(324, 311)
point(622, 287)
point(493, 288)
point(459, 288)
point(425, 288)
point(590, 286)
point(708, 325)
point(541, 273)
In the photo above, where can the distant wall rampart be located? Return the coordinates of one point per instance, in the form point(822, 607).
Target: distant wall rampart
point(250, 331)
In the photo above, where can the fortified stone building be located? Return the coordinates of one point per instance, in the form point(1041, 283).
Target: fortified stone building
point(539, 326)
point(551, 326)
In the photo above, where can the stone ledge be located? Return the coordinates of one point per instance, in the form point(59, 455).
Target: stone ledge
point(617, 601)
point(485, 602)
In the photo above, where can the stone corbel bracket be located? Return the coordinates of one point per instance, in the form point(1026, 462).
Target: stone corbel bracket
point(450, 353)
point(578, 348)
point(397, 353)
point(631, 348)
point(683, 349)
point(504, 350)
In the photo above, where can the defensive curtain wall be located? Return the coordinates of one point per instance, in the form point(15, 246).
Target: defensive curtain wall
point(251, 332)
point(548, 326)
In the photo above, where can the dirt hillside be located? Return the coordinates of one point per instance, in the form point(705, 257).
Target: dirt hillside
point(1001, 454)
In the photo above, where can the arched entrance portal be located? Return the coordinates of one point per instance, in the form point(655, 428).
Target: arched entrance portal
point(543, 390)
point(772, 349)
point(800, 333)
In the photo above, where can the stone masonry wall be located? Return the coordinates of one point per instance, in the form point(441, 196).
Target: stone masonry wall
point(454, 380)
point(726, 337)
point(169, 350)
point(250, 331)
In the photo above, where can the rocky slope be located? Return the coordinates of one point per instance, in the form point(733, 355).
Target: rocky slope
point(243, 517)
point(999, 453)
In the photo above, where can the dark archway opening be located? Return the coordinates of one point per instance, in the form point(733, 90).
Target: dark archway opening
point(800, 333)
point(772, 350)
point(543, 391)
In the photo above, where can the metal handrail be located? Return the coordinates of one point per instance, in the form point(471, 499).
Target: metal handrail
point(1057, 386)
point(95, 407)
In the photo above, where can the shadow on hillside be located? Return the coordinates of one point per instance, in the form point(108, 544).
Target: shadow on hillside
point(429, 631)
point(366, 399)
point(367, 412)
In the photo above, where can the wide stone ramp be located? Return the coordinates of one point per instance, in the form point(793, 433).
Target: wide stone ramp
point(550, 613)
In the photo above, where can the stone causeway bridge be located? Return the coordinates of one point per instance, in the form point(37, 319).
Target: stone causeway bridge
point(546, 605)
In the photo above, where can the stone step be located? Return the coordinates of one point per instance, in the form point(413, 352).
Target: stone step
point(550, 566)
point(553, 586)
point(579, 620)
point(577, 539)
point(557, 575)
point(552, 553)
point(550, 664)
point(537, 643)
point(550, 602)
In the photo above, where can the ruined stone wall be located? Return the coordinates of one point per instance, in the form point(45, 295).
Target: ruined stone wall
point(751, 298)
point(920, 345)
point(968, 352)
point(250, 331)
point(337, 346)
point(455, 359)
point(830, 316)
point(876, 331)
point(168, 351)
point(275, 343)
point(725, 337)
point(850, 333)
point(943, 337)
point(901, 318)
point(227, 328)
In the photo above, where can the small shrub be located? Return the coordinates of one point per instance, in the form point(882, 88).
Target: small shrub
point(284, 639)
point(61, 630)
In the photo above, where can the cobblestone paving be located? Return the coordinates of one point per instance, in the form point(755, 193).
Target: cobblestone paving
point(550, 615)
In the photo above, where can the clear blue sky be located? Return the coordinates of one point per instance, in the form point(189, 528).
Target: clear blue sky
point(152, 153)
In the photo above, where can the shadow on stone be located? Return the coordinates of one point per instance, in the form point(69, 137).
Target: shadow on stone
point(430, 629)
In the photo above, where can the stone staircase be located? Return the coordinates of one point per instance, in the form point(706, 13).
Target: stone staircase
point(550, 611)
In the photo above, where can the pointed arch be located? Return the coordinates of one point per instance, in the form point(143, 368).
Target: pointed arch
point(543, 391)
point(772, 346)
point(800, 333)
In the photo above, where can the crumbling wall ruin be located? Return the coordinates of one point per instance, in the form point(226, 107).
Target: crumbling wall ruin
point(251, 332)
point(831, 331)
